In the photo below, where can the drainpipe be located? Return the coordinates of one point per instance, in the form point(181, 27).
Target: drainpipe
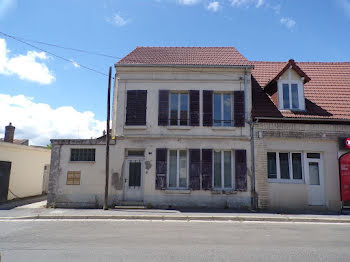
point(245, 94)
point(254, 198)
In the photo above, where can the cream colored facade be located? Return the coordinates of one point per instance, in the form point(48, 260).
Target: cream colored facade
point(27, 168)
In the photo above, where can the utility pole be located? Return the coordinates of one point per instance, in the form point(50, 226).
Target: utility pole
point(105, 203)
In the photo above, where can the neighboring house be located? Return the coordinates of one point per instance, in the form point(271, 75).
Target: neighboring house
point(203, 126)
point(23, 168)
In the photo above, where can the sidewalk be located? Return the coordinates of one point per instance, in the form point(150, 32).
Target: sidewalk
point(38, 212)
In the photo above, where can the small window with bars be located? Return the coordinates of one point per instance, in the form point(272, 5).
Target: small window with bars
point(82, 154)
point(73, 178)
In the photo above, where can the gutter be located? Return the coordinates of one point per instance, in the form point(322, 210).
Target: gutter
point(185, 66)
point(303, 119)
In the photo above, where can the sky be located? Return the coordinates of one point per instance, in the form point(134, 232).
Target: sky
point(47, 97)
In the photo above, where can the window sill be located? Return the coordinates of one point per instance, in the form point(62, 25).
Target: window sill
point(223, 127)
point(179, 127)
point(81, 162)
point(223, 191)
point(135, 127)
point(286, 181)
point(177, 191)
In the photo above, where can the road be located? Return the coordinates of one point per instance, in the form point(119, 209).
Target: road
point(111, 240)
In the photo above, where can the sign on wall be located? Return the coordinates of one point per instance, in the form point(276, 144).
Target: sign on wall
point(344, 162)
point(344, 142)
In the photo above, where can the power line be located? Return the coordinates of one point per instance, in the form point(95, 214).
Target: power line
point(58, 56)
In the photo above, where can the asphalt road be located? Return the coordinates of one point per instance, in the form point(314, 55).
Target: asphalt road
point(110, 240)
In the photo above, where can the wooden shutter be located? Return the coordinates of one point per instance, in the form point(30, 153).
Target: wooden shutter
point(136, 107)
point(241, 170)
point(194, 107)
point(195, 166)
point(207, 168)
point(161, 167)
point(238, 108)
point(163, 107)
point(207, 108)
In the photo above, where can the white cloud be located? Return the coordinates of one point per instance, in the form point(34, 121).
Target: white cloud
point(118, 20)
point(247, 3)
point(6, 6)
point(214, 6)
point(26, 67)
point(188, 2)
point(75, 64)
point(288, 22)
point(40, 122)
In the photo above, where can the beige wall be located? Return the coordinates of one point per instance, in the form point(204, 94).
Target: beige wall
point(27, 168)
point(298, 138)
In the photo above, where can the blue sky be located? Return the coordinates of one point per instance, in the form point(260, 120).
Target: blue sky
point(46, 97)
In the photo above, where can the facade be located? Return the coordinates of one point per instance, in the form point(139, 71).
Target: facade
point(204, 127)
point(22, 168)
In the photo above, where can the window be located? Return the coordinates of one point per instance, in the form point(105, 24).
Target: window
point(179, 113)
point(178, 169)
point(73, 178)
point(292, 95)
point(223, 169)
point(136, 153)
point(283, 166)
point(136, 105)
point(82, 154)
point(222, 110)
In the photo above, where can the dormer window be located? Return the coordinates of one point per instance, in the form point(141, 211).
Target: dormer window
point(292, 95)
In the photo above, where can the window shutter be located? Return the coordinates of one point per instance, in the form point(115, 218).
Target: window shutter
point(207, 108)
point(163, 107)
point(241, 170)
point(207, 168)
point(239, 108)
point(194, 108)
point(136, 107)
point(195, 164)
point(161, 167)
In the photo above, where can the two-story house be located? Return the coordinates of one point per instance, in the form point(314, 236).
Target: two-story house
point(203, 126)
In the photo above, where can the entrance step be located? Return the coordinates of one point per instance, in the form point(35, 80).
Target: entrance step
point(130, 205)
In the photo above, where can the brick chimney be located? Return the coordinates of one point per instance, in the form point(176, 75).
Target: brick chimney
point(9, 133)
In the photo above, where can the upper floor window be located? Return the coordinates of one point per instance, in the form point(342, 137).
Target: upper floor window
point(178, 112)
point(136, 103)
point(222, 109)
point(82, 154)
point(291, 95)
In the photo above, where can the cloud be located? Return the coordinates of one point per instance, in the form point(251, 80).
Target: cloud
point(247, 3)
point(345, 5)
point(288, 22)
point(26, 67)
point(40, 122)
point(75, 64)
point(214, 6)
point(6, 6)
point(188, 2)
point(118, 20)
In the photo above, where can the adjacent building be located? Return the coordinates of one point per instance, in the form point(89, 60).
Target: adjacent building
point(203, 126)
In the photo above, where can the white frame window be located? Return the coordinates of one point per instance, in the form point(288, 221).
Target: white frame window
point(222, 170)
point(222, 122)
point(179, 122)
point(178, 169)
point(277, 176)
point(294, 104)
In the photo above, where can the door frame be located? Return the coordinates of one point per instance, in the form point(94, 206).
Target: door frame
point(126, 188)
point(321, 177)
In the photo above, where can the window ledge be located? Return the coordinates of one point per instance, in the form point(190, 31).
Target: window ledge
point(135, 127)
point(177, 191)
point(286, 181)
point(82, 162)
point(179, 127)
point(223, 127)
point(223, 192)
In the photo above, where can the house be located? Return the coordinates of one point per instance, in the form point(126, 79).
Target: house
point(24, 169)
point(205, 127)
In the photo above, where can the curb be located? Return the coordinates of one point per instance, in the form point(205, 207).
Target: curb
point(188, 218)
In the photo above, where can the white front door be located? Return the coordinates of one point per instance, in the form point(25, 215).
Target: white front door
point(133, 187)
point(315, 181)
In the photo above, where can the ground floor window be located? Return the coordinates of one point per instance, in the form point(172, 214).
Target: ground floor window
point(73, 178)
point(178, 169)
point(284, 166)
point(223, 169)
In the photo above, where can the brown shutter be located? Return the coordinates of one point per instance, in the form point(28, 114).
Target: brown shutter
point(136, 107)
point(195, 165)
point(207, 108)
point(207, 168)
point(194, 107)
point(163, 107)
point(238, 108)
point(241, 170)
point(161, 167)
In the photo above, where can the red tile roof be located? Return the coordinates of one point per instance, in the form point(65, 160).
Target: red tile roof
point(194, 56)
point(327, 94)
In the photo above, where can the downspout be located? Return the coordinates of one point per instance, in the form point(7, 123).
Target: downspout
point(254, 198)
point(245, 94)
